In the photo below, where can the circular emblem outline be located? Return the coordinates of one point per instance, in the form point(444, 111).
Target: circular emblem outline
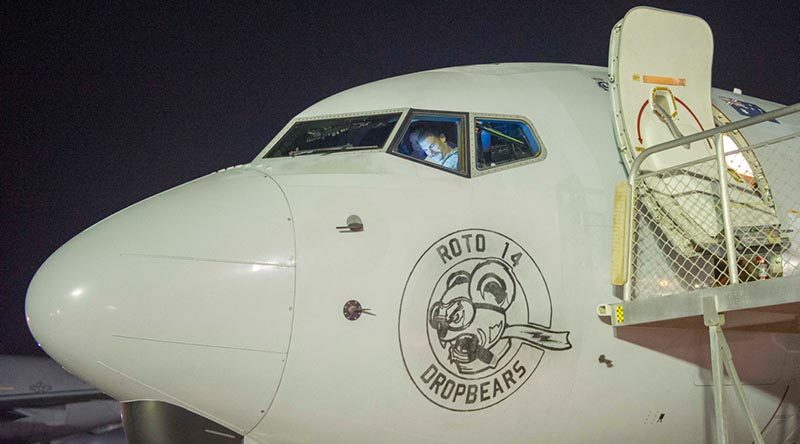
point(478, 320)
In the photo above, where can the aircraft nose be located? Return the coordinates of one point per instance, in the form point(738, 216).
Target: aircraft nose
point(57, 298)
point(167, 298)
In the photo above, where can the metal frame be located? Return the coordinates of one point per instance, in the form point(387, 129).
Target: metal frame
point(716, 133)
point(709, 302)
point(406, 122)
point(402, 111)
point(473, 116)
point(722, 360)
point(745, 296)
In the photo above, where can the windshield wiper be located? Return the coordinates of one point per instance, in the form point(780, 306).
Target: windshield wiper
point(333, 149)
point(503, 136)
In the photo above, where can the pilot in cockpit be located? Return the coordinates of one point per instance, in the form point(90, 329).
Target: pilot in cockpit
point(438, 149)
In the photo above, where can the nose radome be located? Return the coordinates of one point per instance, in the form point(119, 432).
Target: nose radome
point(161, 299)
point(56, 304)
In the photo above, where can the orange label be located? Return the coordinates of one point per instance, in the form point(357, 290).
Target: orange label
point(660, 80)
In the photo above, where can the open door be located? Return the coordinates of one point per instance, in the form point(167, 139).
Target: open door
point(660, 68)
point(660, 78)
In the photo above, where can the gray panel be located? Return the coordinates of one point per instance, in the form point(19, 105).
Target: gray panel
point(778, 295)
point(156, 422)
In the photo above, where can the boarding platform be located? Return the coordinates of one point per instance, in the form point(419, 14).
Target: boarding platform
point(724, 228)
point(707, 227)
point(712, 242)
point(769, 306)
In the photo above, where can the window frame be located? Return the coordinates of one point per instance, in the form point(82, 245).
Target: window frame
point(466, 163)
point(470, 168)
point(292, 123)
point(508, 165)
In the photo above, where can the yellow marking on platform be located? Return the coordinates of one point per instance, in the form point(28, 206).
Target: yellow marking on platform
point(620, 310)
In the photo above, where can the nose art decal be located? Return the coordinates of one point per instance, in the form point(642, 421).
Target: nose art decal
point(475, 320)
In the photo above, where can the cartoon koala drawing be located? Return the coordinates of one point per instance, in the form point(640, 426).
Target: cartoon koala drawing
point(470, 318)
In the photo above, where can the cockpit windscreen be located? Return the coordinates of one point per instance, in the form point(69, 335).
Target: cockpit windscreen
point(333, 135)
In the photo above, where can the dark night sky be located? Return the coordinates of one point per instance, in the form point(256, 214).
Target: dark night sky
point(103, 105)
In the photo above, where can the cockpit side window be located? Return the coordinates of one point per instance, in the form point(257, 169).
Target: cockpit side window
point(337, 134)
point(502, 141)
point(436, 139)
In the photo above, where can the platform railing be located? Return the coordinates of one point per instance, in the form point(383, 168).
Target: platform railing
point(731, 217)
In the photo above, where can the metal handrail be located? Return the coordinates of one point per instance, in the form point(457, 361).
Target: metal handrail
point(716, 133)
point(640, 175)
point(750, 121)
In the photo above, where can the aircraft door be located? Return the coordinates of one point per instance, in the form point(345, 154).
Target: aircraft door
point(660, 77)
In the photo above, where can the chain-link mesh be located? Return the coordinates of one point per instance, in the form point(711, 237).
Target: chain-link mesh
point(678, 238)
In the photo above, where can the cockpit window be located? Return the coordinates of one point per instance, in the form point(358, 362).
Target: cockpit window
point(436, 139)
point(332, 135)
point(501, 141)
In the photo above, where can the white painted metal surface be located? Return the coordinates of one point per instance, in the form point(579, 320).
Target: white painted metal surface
point(353, 381)
point(185, 297)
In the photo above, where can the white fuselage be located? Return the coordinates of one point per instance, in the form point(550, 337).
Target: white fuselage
point(224, 296)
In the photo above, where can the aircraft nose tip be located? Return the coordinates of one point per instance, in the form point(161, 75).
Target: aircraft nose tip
point(55, 305)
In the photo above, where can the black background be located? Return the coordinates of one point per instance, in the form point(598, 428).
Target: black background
point(103, 105)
